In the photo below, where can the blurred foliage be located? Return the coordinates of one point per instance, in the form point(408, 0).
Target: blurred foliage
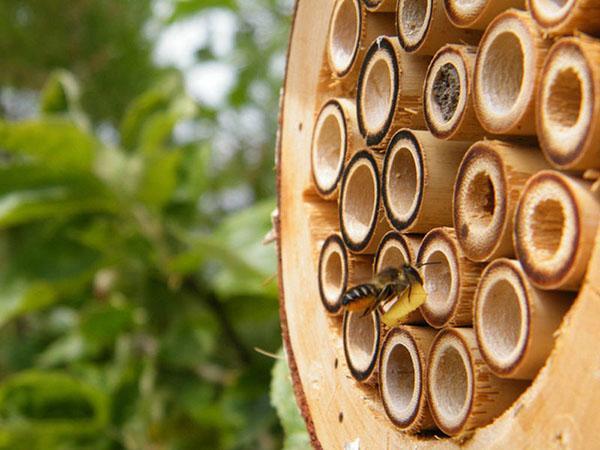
point(133, 282)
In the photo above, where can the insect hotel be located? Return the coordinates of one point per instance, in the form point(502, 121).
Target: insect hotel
point(459, 139)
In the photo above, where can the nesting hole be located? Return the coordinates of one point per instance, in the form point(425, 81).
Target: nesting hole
point(344, 35)
point(333, 277)
point(402, 188)
point(446, 91)
point(361, 335)
point(450, 383)
point(438, 280)
point(501, 319)
point(547, 225)
point(391, 257)
point(360, 203)
point(400, 377)
point(502, 72)
point(378, 94)
point(329, 151)
point(413, 17)
point(565, 98)
point(481, 200)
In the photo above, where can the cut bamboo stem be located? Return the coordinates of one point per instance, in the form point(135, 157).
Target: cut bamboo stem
point(380, 5)
point(477, 14)
point(362, 342)
point(568, 109)
point(389, 94)
point(335, 140)
point(418, 176)
point(463, 394)
point(488, 185)
point(362, 219)
point(448, 94)
point(338, 270)
point(555, 225)
point(396, 250)
point(566, 16)
point(402, 377)
point(507, 72)
point(423, 27)
point(351, 31)
point(450, 282)
point(514, 321)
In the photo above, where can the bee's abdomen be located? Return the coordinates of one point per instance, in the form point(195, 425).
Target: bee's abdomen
point(360, 297)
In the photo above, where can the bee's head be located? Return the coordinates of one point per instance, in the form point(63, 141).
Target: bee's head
point(412, 273)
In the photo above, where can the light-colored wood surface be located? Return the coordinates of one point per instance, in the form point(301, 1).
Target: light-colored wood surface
point(559, 411)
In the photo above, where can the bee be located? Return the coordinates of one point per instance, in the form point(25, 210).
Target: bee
point(387, 284)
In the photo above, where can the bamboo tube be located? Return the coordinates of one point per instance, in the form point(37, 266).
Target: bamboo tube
point(338, 270)
point(402, 377)
point(477, 14)
point(395, 250)
point(389, 94)
point(555, 225)
point(450, 283)
point(515, 322)
point(568, 111)
point(418, 175)
point(335, 139)
point(423, 27)
point(488, 185)
point(362, 342)
point(566, 16)
point(448, 94)
point(351, 31)
point(380, 5)
point(362, 220)
point(507, 71)
point(463, 394)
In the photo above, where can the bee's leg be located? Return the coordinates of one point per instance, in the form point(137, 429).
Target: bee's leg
point(383, 294)
point(409, 291)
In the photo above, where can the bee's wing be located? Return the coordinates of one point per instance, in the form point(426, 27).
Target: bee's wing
point(383, 295)
point(405, 305)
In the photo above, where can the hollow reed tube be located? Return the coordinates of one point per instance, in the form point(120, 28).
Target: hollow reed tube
point(566, 16)
point(450, 280)
point(362, 219)
point(463, 393)
point(418, 176)
point(477, 14)
point(490, 180)
point(568, 109)
point(403, 377)
point(507, 72)
point(555, 227)
point(423, 27)
point(380, 6)
point(362, 342)
point(389, 93)
point(448, 94)
point(515, 322)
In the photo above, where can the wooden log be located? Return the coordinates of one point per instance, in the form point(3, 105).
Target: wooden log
point(507, 72)
point(351, 32)
point(450, 280)
point(463, 394)
point(418, 176)
point(335, 140)
point(515, 322)
point(389, 93)
point(568, 106)
point(555, 224)
point(338, 270)
point(488, 185)
point(423, 27)
point(403, 377)
point(362, 219)
point(566, 16)
point(477, 14)
point(448, 94)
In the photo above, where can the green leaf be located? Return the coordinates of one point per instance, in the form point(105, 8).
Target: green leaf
point(61, 95)
point(184, 8)
point(18, 297)
point(159, 178)
point(284, 401)
point(57, 143)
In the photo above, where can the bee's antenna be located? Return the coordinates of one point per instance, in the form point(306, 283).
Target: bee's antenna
point(430, 263)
